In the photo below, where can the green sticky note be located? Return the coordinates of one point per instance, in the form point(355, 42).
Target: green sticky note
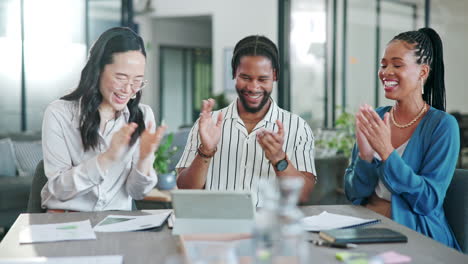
point(345, 256)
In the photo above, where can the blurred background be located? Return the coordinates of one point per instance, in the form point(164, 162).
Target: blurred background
point(330, 51)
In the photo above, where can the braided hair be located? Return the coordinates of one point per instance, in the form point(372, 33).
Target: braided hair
point(427, 47)
point(255, 45)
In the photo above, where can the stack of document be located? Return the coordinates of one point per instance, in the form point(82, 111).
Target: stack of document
point(327, 221)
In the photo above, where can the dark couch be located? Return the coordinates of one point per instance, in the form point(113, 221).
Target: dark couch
point(20, 153)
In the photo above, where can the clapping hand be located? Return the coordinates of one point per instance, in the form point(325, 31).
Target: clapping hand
point(119, 142)
point(272, 143)
point(149, 142)
point(210, 132)
point(371, 128)
point(366, 152)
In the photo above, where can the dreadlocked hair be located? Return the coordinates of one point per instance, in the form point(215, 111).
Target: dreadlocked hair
point(255, 45)
point(428, 49)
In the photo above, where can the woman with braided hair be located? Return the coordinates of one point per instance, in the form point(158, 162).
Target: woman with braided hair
point(405, 155)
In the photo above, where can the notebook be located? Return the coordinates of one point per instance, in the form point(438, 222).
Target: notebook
point(212, 212)
point(363, 235)
point(327, 221)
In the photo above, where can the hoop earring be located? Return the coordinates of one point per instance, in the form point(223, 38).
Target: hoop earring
point(134, 96)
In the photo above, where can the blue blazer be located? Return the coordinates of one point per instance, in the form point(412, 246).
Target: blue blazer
point(418, 180)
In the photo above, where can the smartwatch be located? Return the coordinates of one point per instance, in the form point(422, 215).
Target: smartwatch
point(282, 164)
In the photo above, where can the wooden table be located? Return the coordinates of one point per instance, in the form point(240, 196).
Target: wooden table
point(155, 199)
point(155, 247)
point(158, 196)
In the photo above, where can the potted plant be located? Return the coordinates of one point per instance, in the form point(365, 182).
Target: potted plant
point(333, 152)
point(166, 178)
point(340, 140)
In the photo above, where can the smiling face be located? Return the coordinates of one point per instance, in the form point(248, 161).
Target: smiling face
point(254, 82)
point(401, 76)
point(126, 67)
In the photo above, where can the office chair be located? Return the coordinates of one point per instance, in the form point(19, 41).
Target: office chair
point(39, 180)
point(456, 207)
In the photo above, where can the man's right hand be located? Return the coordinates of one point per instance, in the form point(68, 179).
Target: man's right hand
point(210, 132)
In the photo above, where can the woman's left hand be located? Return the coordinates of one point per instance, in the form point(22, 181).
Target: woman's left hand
point(149, 142)
point(377, 131)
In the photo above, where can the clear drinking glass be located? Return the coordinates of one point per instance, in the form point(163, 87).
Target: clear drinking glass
point(265, 235)
point(293, 243)
point(211, 252)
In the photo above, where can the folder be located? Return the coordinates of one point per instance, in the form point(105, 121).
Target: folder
point(363, 235)
point(327, 221)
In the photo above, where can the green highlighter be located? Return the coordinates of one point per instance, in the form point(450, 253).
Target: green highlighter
point(67, 227)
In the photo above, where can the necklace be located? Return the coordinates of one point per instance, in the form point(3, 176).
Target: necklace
point(392, 115)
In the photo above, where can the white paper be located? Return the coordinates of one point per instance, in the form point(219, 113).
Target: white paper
point(170, 220)
point(326, 221)
point(123, 223)
point(80, 230)
point(66, 260)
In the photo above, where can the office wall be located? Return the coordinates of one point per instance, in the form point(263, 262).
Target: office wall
point(169, 31)
point(449, 19)
point(230, 20)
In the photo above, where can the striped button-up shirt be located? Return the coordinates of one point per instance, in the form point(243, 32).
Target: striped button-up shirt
point(75, 180)
point(240, 162)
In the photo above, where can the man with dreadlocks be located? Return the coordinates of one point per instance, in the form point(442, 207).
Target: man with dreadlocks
point(405, 155)
point(251, 139)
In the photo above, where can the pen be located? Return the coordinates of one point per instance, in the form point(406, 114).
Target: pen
point(332, 244)
point(170, 220)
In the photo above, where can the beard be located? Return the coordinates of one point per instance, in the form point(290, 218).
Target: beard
point(266, 97)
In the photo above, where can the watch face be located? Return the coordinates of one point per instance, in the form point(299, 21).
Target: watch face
point(282, 165)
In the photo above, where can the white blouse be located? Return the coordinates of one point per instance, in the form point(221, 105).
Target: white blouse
point(75, 180)
point(380, 190)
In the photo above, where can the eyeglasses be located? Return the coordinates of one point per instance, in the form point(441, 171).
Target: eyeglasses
point(136, 85)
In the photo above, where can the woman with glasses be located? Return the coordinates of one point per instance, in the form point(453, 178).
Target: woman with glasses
point(99, 141)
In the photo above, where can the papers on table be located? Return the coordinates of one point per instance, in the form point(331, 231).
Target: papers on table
point(326, 221)
point(170, 219)
point(66, 260)
point(122, 223)
point(81, 230)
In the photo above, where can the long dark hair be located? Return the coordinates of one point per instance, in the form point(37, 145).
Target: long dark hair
point(428, 49)
point(255, 45)
point(114, 40)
